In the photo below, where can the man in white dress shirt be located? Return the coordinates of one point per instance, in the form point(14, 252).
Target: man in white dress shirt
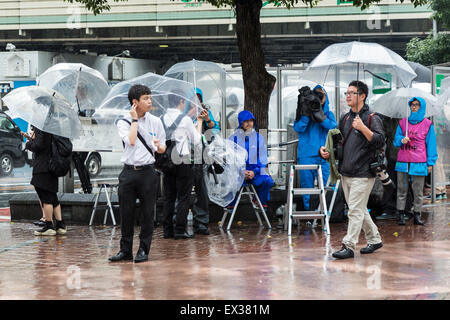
point(178, 183)
point(138, 177)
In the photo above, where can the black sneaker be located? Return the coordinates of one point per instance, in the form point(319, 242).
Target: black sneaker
point(371, 248)
point(60, 227)
point(344, 253)
point(47, 230)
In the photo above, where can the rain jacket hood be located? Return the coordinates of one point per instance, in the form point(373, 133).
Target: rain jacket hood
point(199, 91)
point(326, 105)
point(244, 116)
point(418, 116)
point(313, 135)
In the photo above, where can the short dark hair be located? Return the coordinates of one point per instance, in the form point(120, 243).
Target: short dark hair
point(175, 97)
point(137, 91)
point(361, 86)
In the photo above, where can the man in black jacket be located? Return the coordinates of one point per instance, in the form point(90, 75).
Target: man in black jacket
point(363, 134)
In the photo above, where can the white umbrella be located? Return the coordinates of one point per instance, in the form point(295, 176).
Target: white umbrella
point(81, 85)
point(45, 109)
point(394, 104)
point(356, 61)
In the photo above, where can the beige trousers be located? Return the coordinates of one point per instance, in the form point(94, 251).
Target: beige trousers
point(356, 192)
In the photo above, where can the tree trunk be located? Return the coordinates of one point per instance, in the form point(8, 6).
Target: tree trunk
point(258, 83)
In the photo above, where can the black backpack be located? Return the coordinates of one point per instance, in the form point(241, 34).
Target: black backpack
point(59, 163)
point(163, 161)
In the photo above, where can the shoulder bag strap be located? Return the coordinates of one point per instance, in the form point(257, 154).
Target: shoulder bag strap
point(141, 138)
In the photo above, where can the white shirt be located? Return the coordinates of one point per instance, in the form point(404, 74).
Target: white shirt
point(184, 134)
point(149, 127)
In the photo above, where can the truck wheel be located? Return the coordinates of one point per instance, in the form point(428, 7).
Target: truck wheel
point(94, 165)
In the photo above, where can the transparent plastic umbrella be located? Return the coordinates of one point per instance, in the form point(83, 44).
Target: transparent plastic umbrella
point(116, 104)
point(205, 75)
point(232, 158)
point(394, 104)
point(81, 85)
point(45, 109)
point(359, 60)
point(444, 93)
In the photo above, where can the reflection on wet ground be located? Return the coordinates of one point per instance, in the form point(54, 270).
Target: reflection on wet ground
point(246, 263)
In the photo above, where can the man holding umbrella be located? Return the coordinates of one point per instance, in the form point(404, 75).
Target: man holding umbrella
point(361, 139)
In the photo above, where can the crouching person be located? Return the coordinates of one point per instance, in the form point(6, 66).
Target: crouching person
point(246, 137)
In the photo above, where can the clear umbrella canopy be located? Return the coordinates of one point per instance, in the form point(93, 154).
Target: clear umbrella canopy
point(394, 104)
point(444, 93)
point(45, 109)
point(205, 75)
point(116, 104)
point(359, 60)
point(423, 73)
point(232, 158)
point(81, 85)
point(442, 127)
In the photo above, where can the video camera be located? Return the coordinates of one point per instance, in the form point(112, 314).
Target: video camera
point(309, 104)
point(379, 168)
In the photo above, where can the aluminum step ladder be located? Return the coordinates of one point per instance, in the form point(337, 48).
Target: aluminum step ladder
point(321, 213)
point(249, 190)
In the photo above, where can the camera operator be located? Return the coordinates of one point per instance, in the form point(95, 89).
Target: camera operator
point(359, 147)
point(313, 120)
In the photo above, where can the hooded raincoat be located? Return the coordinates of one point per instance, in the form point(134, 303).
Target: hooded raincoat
point(421, 152)
point(216, 127)
point(256, 147)
point(311, 136)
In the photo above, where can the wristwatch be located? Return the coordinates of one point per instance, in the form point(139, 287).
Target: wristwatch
point(134, 120)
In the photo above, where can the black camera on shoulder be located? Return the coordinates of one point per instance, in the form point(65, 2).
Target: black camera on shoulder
point(309, 104)
point(379, 166)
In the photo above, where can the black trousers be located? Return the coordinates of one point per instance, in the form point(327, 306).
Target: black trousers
point(142, 185)
point(177, 186)
point(200, 208)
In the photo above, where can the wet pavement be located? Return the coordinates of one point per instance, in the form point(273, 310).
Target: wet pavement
point(245, 263)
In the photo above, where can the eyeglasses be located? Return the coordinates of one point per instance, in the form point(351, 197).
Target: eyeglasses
point(415, 104)
point(349, 93)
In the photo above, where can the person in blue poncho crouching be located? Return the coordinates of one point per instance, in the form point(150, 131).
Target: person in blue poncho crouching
point(246, 137)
